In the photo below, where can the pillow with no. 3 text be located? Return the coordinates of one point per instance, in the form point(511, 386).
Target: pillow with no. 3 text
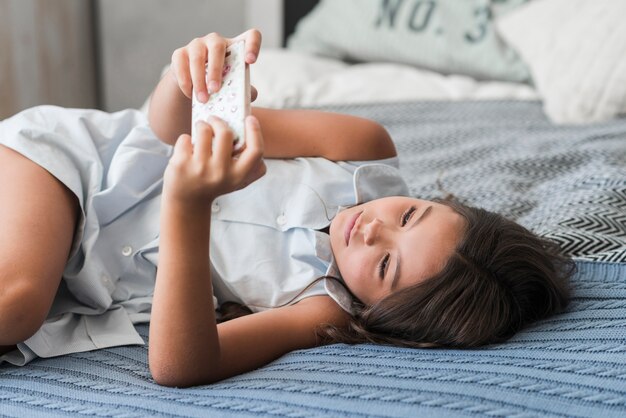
point(446, 36)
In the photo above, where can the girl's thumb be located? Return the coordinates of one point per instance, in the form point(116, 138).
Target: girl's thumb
point(183, 145)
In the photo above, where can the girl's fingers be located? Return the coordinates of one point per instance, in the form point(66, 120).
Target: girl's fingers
point(223, 148)
point(253, 151)
point(259, 170)
point(217, 49)
point(204, 141)
point(253, 45)
point(253, 93)
point(228, 173)
point(183, 149)
point(180, 68)
point(197, 64)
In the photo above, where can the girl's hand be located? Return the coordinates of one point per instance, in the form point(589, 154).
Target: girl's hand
point(188, 63)
point(197, 174)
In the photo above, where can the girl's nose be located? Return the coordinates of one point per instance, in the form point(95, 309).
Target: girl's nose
point(371, 231)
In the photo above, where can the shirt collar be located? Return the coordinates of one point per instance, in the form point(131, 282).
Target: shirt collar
point(336, 289)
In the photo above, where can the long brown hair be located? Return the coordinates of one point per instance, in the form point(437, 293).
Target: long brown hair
point(500, 278)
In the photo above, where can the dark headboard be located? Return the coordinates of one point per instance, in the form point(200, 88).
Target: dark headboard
point(293, 11)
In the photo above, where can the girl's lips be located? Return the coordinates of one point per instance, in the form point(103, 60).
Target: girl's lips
point(350, 225)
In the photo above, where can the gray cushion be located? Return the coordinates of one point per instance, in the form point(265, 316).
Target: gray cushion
point(447, 36)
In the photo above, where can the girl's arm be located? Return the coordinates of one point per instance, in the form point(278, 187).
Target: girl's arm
point(245, 344)
point(311, 133)
point(186, 345)
point(287, 133)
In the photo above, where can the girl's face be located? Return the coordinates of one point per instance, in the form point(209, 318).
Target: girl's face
point(392, 243)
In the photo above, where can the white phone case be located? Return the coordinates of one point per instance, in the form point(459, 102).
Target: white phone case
point(232, 102)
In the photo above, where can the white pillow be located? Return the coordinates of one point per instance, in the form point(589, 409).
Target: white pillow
point(576, 51)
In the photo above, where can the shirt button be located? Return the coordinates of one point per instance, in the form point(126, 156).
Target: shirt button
point(215, 207)
point(127, 250)
point(108, 283)
point(281, 220)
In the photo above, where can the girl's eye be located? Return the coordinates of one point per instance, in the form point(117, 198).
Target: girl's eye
point(382, 266)
point(407, 215)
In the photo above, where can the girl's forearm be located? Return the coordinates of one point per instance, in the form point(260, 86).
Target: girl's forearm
point(170, 110)
point(184, 345)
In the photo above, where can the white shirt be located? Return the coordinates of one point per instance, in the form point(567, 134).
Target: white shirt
point(265, 247)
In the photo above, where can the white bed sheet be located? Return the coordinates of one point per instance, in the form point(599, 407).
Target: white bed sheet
point(286, 78)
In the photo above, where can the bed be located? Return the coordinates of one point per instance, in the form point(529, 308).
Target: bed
point(503, 144)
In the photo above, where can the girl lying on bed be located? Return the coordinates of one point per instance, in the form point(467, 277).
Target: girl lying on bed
point(332, 242)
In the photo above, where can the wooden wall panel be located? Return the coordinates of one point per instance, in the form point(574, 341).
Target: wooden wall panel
point(108, 54)
point(7, 83)
point(137, 39)
point(46, 54)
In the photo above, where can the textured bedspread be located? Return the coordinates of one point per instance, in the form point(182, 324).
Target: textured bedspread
point(568, 183)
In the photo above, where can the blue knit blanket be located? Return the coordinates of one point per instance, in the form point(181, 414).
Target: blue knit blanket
point(567, 183)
